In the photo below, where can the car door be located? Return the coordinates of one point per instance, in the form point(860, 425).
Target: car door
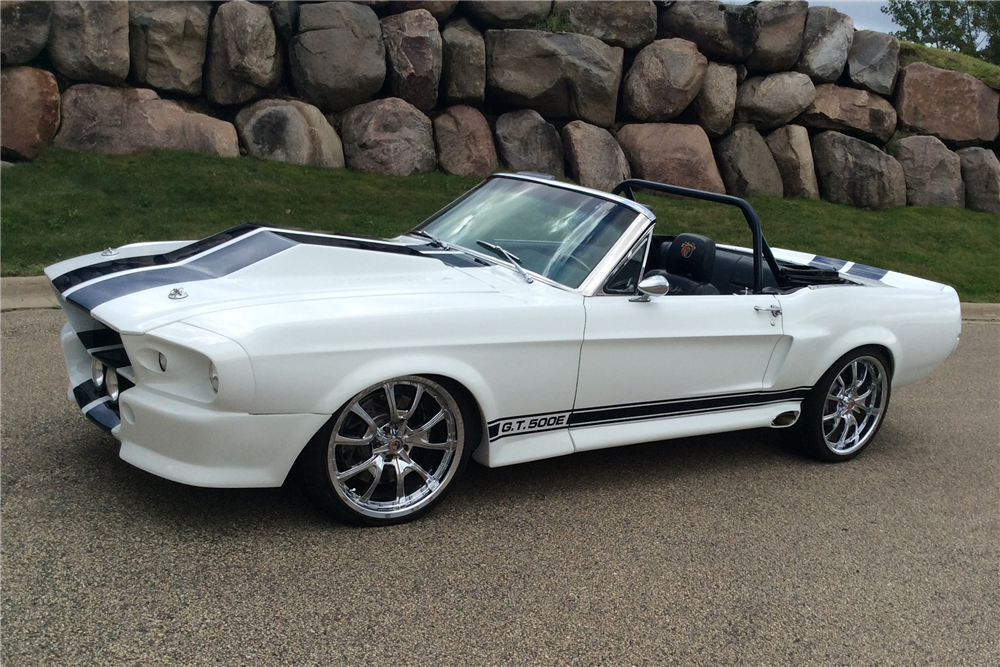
point(672, 356)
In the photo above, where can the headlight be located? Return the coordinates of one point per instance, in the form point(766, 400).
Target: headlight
point(213, 376)
point(111, 379)
point(163, 362)
point(97, 373)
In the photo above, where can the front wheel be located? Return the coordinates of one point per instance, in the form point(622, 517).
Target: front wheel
point(391, 453)
point(846, 408)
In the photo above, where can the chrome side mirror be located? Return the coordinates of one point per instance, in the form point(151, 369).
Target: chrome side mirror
point(652, 286)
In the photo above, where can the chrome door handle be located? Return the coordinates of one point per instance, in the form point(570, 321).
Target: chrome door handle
point(774, 310)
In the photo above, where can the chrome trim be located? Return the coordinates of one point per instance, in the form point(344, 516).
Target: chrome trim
point(593, 284)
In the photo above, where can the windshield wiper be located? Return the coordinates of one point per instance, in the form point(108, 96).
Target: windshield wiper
point(511, 257)
point(434, 240)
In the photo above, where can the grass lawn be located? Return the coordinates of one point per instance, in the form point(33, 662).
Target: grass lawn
point(68, 203)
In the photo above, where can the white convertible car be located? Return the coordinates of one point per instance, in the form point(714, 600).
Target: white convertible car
point(528, 319)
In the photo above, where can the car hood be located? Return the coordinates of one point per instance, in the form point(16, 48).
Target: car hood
point(141, 287)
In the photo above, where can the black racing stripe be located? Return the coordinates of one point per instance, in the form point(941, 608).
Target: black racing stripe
point(104, 416)
point(870, 272)
point(222, 262)
point(99, 338)
point(821, 262)
point(451, 258)
point(86, 392)
point(533, 432)
point(493, 430)
point(115, 358)
point(85, 273)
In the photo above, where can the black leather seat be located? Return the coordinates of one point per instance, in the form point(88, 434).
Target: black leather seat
point(688, 262)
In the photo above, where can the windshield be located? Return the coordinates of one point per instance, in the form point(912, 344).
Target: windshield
point(556, 233)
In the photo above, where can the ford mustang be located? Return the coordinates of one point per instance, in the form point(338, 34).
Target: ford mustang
point(528, 319)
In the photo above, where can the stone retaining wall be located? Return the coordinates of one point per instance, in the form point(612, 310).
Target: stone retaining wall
point(774, 98)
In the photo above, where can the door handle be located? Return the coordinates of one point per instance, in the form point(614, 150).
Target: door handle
point(774, 310)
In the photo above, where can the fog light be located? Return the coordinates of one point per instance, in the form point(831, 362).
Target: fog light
point(97, 373)
point(163, 362)
point(213, 376)
point(111, 380)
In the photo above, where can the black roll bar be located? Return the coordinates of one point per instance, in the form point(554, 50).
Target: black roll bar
point(761, 251)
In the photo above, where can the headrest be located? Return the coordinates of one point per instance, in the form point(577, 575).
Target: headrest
point(691, 255)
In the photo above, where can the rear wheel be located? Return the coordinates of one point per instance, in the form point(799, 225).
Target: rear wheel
point(846, 408)
point(391, 453)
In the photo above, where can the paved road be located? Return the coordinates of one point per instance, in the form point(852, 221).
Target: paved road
point(711, 551)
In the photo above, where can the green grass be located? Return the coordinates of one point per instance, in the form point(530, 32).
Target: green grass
point(913, 53)
point(68, 203)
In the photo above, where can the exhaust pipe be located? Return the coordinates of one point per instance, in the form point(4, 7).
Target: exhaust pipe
point(785, 419)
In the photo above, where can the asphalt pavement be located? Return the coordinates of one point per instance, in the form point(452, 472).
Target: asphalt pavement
point(724, 550)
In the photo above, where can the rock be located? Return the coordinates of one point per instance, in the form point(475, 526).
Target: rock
point(672, 154)
point(853, 172)
point(780, 25)
point(722, 32)
point(630, 25)
point(388, 136)
point(89, 41)
point(464, 71)
point(413, 47)
point(981, 173)
point(933, 173)
point(244, 62)
point(289, 131)
point(873, 61)
point(957, 108)
point(167, 42)
point(4, 164)
point(716, 102)
point(789, 145)
point(665, 77)
point(338, 58)
point(464, 142)
point(24, 30)
point(825, 44)
point(773, 100)
point(851, 111)
point(594, 158)
point(746, 164)
point(285, 16)
point(528, 143)
point(439, 9)
point(29, 111)
point(558, 75)
point(127, 120)
point(508, 13)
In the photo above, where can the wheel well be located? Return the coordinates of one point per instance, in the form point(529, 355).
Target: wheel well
point(463, 393)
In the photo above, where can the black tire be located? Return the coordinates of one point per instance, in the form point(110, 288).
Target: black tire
point(839, 421)
point(368, 468)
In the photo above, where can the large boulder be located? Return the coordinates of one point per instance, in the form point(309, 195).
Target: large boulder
point(338, 58)
point(285, 16)
point(747, 165)
point(528, 143)
point(389, 136)
point(508, 13)
point(464, 142)
point(665, 77)
point(851, 111)
point(671, 153)
point(716, 102)
point(413, 47)
point(954, 107)
point(439, 9)
point(29, 111)
point(981, 173)
point(722, 32)
point(630, 25)
point(853, 172)
point(129, 120)
point(89, 41)
point(873, 61)
point(780, 24)
point(789, 145)
point(594, 158)
point(24, 30)
point(244, 61)
point(773, 100)
point(464, 62)
point(167, 42)
point(558, 75)
point(289, 131)
point(933, 173)
point(825, 44)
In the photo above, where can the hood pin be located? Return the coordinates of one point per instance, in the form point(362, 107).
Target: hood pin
point(177, 293)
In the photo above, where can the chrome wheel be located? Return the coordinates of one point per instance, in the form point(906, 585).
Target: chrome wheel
point(395, 447)
point(854, 405)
